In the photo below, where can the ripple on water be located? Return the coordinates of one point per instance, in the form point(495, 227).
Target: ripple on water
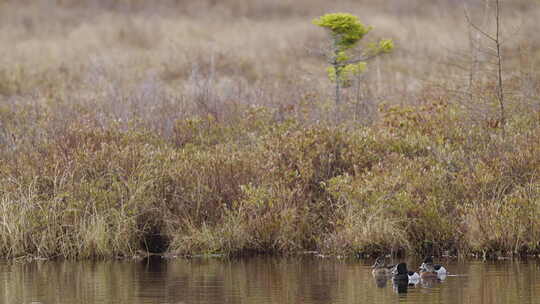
point(261, 281)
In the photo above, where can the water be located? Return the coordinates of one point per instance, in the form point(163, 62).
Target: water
point(258, 280)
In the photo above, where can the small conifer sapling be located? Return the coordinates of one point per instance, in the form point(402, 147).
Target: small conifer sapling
point(345, 31)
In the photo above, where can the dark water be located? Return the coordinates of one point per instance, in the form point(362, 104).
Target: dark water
point(258, 280)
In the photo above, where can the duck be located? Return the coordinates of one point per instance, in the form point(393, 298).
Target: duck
point(402, 273)
point(438, 269)
point(427, 271)
point(381, 269)
point(414, 277)
point(400, 280)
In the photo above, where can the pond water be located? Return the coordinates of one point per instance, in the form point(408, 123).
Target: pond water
point(259, 280)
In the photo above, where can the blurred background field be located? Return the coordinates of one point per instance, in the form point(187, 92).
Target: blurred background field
point(208, 126)
point(250, 52)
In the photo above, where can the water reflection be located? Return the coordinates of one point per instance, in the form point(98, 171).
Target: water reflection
point(400, 286)
point(260, 280)
point(381, 281)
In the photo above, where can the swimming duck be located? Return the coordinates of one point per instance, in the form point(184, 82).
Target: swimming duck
point(414, 277)
point(380, 268)
point(401, 273)
point(427, 271)
point(428, 264)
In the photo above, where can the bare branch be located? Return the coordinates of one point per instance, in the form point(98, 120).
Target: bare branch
point(490, 37)
point(362, 58)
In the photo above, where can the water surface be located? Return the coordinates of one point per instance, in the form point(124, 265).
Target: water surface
point(259, 280)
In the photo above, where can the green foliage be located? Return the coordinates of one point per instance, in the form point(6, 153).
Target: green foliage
point(382, 47)
point(345, 32)
point(346, 29)
point(347, 73)
point(386, 45)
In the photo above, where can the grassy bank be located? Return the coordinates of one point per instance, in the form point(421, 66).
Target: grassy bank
point(417, 180)
point(118, 136)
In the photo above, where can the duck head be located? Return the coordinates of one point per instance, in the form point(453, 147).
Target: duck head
point(379, 263)
point(401, 268)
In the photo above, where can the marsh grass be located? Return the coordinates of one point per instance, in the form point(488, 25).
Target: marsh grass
point(125, 128)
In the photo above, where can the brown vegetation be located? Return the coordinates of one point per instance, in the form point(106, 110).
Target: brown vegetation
point(206, 127)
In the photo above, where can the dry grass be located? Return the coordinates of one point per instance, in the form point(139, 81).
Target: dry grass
point(207, 127)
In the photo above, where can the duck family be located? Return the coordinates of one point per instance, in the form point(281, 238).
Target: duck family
point(401, 274)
